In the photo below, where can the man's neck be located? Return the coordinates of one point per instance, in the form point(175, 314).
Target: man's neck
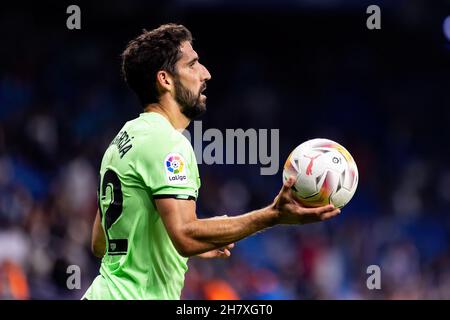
point(171, 111)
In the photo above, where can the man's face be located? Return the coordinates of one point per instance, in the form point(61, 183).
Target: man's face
point(190, 82)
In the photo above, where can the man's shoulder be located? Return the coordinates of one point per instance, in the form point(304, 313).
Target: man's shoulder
point(151, 136)
point(143, 130)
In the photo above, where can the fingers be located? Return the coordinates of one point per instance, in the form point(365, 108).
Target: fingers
point(330, 214)
point(223, 253)
point(319, 213)
point(230, 246)
point(325, 209)
point(319, 210)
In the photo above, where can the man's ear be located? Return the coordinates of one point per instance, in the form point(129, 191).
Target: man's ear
point(164, 80)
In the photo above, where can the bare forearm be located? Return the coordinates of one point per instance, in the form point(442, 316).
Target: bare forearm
point(208, 234)
point(192, 236)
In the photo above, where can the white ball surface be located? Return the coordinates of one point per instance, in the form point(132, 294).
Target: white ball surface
point(325, 172)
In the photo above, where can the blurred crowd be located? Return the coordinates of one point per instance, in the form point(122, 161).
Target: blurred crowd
point(383, 97)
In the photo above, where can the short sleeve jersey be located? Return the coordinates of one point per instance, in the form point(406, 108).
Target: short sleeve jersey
point(147, 160)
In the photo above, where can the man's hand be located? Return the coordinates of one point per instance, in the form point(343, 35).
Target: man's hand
point(192, 236)
point(291, 212)
point(218, 253)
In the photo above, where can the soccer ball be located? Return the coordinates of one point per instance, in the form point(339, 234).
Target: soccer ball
point(326, 173)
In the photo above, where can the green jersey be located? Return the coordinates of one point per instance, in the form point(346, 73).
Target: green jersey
point(147, 160)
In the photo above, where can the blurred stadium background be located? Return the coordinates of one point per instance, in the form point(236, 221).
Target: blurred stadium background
point(310, 68)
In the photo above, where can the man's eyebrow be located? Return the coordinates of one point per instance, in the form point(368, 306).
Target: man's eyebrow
point(192, 61)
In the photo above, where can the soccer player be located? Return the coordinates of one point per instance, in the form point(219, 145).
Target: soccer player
point(146, 226)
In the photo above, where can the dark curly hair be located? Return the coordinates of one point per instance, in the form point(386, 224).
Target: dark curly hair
point(150, 52)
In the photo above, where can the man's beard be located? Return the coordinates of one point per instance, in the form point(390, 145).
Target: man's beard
point(190, 104)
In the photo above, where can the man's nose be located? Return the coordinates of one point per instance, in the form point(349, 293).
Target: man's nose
point(206, 74)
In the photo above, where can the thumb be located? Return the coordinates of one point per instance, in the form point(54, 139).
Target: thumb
point(289, 183)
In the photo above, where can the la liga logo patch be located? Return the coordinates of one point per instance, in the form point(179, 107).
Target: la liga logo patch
point(175, 169)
